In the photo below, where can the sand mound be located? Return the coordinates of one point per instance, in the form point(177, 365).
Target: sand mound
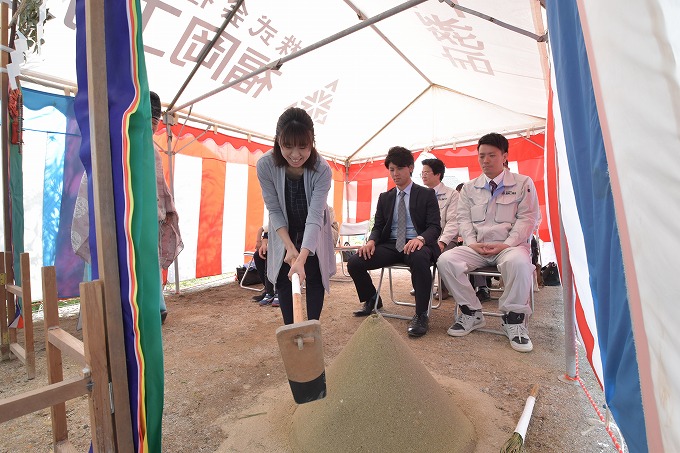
point(381, 398)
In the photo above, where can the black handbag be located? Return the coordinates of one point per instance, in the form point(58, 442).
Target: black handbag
point(347, 254)
point(250, 271)
point(550, 274)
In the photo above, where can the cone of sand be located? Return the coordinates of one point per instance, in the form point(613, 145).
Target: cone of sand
point(381, 398)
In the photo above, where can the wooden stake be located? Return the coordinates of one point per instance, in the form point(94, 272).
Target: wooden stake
point(4, 327)
point(91, 305)
point(104, 216)
point(54, 364)
point(27, 312)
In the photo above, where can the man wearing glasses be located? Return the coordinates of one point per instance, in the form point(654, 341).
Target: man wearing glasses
point(432, 175)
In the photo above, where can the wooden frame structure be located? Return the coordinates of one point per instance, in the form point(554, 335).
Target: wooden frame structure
point(4, 329)
point(107, 290)
point(8, 291)
point(90, 353)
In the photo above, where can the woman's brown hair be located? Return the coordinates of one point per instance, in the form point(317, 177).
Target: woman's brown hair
point(294, 128)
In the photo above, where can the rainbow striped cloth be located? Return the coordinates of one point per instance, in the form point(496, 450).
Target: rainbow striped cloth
point(132, 161)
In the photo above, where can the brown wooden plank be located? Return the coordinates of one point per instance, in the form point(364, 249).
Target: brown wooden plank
point(11, 311)
point(27, 311)
point(35, 400)
point(50, 297)
point(55, 371)
point(18, 351)
point(67, 344)
point(4, 324)
point(64, 447)
point(16, 290)
point(104, 217)
point(4, 140)
point(101, 421)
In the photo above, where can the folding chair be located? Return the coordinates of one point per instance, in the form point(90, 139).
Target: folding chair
point(492, 271)
point(536, 260)
point(435, 277)
point(251, 255)
point(347, 232)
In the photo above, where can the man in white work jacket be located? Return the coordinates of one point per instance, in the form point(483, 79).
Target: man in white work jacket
point(447, 197)
point(497, 214)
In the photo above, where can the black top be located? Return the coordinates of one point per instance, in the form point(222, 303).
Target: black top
point(296, 208)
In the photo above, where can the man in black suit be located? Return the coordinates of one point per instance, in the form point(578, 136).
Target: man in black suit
point(409, 238)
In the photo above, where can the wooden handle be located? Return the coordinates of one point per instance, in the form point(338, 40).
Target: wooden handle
point(534, 390)
point(298, 313)
point(523, 422)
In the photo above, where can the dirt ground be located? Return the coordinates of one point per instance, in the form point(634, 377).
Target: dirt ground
point(226, 388)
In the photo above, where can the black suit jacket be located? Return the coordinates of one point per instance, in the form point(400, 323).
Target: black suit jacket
point(424, 210)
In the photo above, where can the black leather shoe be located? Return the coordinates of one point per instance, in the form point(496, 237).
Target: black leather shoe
point(483, 294)
point(368, 307)
point(164, 314)
point(259, 297)
point(445, 294)
point(418, 325)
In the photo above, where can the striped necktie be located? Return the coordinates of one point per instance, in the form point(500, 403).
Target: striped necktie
point(493, 186)
point(401, 223)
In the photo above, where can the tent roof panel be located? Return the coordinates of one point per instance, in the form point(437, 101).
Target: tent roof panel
point(353, 87)
point(444, 117)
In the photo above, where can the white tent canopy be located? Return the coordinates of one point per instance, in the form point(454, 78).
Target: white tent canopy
point(427, 76)
point(432, 76)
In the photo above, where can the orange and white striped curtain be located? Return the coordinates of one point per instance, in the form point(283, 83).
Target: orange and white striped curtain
point(218, 198)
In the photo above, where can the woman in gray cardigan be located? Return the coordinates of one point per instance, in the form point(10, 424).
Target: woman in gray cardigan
point(295, 181)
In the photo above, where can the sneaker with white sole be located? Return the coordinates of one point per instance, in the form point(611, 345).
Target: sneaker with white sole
point(267, 299)
point(518, 334)
point(466, 323)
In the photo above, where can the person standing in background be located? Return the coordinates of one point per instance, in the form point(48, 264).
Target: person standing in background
point(169, 239)
point(268, 295)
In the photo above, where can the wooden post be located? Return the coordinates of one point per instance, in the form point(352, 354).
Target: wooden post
point(104, 217)
point(25, 353)
point(11, 310)
point(91, 306)
point(91, 353)
point(27, 312)
point(4, 331)
point(4, 152)
point(54, 364)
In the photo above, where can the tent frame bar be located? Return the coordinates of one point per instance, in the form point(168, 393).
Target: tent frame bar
point(204, 52)
point(500, 23)
point(278, 63)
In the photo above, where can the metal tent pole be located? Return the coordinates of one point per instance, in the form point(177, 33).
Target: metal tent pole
point(569, 308)
point(204, 52)
point(278, 63)
point(167, 118)
point(500, 23)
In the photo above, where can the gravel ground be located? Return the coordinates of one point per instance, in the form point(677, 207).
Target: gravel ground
point(226, 389)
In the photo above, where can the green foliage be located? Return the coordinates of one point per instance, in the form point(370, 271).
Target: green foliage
point(38, 305)
point(28, 22)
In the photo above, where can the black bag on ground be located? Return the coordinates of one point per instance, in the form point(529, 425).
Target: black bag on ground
point(550, 274)
point(347, 254)
point(251, 277)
